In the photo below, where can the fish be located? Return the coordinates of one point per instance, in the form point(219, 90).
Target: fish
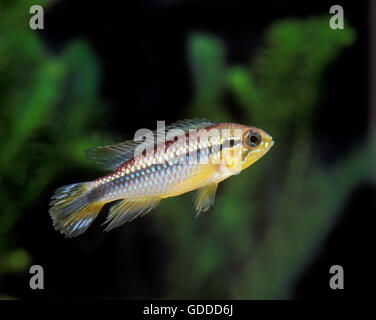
point(188, 155)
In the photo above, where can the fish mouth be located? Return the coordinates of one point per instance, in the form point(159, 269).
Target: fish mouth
point(269, 143)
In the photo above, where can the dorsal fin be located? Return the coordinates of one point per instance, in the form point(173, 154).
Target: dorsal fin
point(113, 156)
point(190, 124)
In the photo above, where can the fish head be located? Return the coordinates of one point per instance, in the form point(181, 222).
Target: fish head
point(255, 144)
point(242, 146)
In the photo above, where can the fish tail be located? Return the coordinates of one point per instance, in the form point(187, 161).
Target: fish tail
point(74, 209)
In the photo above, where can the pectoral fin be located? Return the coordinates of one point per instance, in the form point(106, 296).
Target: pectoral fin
point(128, 210)
point(204, 198)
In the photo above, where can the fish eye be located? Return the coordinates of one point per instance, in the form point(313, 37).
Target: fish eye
point(253, 139)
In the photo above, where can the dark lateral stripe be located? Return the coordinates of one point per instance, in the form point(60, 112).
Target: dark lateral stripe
point(214, 149)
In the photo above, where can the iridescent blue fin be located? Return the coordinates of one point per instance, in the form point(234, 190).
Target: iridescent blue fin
point(72, 210)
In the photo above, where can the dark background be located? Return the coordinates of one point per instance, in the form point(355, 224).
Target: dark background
point(140, 46)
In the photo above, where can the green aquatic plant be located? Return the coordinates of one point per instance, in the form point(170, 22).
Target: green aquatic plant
point(48, 101)
point(268, 222)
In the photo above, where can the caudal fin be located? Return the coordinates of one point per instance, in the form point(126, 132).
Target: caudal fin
point(72, 211)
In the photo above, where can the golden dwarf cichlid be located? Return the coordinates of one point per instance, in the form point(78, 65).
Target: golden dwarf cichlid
point(185, 156)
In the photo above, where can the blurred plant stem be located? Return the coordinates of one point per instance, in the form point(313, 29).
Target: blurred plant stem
point(267, 223)
point(48, 103)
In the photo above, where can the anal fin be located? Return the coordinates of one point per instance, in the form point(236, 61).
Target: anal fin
point(129, 209)
point(204, 198)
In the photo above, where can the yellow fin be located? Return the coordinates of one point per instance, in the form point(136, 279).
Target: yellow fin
point(204, 198)
point(129, 209)
point(72, 211)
